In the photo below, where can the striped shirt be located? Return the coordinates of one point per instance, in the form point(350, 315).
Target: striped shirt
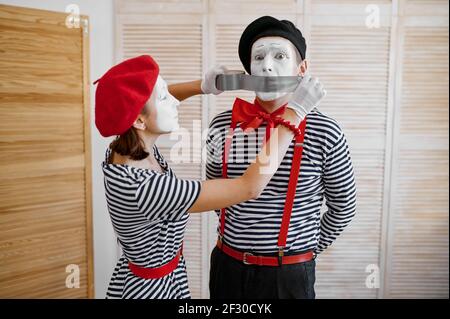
point(148, 211)
point(326, 172)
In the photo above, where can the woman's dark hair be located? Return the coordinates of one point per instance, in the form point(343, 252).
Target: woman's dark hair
point(130, 144)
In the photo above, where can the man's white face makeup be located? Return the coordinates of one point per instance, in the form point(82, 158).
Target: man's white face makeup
point(274, 56)
point(166, 107)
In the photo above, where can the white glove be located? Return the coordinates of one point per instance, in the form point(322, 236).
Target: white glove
point(306, 96)
point(208, 85)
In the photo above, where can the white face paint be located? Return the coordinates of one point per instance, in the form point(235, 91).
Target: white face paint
point(166, 107)
point(274, 56)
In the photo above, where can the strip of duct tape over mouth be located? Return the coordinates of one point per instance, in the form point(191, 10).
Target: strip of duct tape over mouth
point(238, 80)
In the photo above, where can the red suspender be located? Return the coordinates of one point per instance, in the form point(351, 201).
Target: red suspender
point(292, 186)
point(226, 151)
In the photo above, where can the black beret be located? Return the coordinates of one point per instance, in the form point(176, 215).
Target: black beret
point(269, 26)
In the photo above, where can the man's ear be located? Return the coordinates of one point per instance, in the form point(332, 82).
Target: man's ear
point(303, 67)
point(139, 123)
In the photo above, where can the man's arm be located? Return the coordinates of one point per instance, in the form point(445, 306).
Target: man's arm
point(340, 193)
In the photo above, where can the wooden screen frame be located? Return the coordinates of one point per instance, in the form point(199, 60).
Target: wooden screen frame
point(58, 18)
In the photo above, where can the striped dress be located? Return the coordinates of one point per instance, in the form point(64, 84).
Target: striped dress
point(148, 211)
point(326, 173)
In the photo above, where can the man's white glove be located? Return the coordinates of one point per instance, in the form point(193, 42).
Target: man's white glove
point(306, 96)
point(208, 85)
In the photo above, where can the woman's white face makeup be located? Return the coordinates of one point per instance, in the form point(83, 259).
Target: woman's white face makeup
point(274, 56)
point(164, 109)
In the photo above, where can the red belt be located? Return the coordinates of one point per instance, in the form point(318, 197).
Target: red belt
point(158, 272)
point(250, 259)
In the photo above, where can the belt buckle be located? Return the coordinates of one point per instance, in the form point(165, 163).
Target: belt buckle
point(244, 258)
point(219, 241)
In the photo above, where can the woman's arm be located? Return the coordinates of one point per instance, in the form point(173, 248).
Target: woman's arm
point(182, 91)
point(219, 193)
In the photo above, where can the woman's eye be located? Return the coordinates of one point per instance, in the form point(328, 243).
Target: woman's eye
point(258, 57)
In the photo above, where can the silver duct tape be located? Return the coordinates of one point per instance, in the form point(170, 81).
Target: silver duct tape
point(241, 81)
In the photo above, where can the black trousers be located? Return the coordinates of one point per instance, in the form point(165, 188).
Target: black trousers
point(230, 278)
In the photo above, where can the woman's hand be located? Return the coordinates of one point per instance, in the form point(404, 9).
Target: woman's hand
point(208, 85)
point(306, 96)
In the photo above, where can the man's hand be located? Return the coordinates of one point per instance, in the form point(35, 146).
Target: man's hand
point(208, 85)
point(306, 96)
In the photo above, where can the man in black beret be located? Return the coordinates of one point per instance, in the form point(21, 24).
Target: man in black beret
point(269, 27)
point(259, 254)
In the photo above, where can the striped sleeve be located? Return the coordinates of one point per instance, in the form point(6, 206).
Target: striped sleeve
point(214, 145)
point(340, 193)
point(166, 197)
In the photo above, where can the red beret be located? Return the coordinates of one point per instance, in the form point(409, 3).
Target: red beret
point(122, 93)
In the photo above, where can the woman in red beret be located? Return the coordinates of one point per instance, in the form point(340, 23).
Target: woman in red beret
point(149, 206)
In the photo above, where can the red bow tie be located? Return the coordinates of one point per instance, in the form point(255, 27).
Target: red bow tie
point(252, 115)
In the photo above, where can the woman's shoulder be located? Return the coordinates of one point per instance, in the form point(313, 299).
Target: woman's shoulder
point(124, 172)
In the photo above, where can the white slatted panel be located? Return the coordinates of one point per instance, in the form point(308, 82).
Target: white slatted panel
point(418, 259)
point(238, 11)
point(352, 61)
point(177, 47)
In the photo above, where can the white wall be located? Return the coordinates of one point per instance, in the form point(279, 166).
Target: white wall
point(101, 16)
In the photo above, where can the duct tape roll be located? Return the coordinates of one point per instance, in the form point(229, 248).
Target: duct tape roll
point(238, 80)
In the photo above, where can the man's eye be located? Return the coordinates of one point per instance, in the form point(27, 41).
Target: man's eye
point(258, 57)
point(280, 56)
